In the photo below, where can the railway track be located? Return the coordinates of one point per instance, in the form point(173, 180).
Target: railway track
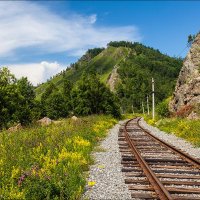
point(155, 169)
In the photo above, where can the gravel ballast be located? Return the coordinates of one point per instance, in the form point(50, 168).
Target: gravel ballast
point(172, 139)
point(106, 173)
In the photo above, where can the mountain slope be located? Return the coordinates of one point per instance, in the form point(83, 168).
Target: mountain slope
point(102, 63)
point(133, 65)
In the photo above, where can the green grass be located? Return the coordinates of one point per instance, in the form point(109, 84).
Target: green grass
point(181, 127)
point(184, 128)
point(49, 162)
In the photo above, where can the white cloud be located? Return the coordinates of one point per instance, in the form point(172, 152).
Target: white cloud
point(25, 24)
point(36, 72)
point(93, 19)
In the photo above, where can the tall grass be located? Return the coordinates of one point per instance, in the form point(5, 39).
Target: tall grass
point(49, 162)
point(184, 128)
point(181, 127)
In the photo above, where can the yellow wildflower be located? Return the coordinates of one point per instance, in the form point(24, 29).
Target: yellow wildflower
point(81, 142)
point(15, 172)
point(91, 183)
point(101, 166)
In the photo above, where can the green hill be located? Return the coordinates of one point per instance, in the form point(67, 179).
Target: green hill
point(136, 64)
point(102, 63)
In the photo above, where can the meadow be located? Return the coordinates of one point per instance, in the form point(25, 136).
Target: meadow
point(49, 162)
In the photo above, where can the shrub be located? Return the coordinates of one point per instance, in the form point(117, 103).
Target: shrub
point(163, 108)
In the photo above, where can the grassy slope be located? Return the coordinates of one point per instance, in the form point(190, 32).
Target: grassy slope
point(102, 63)
point(181, 127)
point(49, 162)
point(184, 128)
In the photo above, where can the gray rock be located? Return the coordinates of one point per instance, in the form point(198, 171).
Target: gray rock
point(187, 91)
point(45, 121)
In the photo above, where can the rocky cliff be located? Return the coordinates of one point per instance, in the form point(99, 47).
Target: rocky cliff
point(187, 91)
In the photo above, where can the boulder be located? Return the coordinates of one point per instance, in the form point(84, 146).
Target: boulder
point(74, 118)
point(15, 128)
point(45, 121)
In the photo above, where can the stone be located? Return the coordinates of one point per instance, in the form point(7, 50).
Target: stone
point(187, 91)
point(74, 118)
point(45, 121)
point(15, 128)
point(193, 116)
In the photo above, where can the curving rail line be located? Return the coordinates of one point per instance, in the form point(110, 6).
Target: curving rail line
point(162, 169)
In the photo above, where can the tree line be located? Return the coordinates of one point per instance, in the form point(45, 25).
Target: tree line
point(18, 103)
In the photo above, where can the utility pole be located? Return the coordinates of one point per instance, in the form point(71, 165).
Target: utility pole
point(147, 104)
point(142, 107)
point(132, 109)
point(153, 100)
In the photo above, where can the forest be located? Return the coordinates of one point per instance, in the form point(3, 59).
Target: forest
point(82, 90)
point(19, 105)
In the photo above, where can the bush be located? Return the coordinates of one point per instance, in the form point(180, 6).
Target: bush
point(163, 108)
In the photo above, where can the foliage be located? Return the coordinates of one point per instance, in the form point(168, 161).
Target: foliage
point(191, 38)
point(102, 64)
point(163, 108)
point(55, 105)
point(90, 96)
point(8, 96)
point(181, 127)
point(136, 73)
point(26, 102)
point(136, 64)
point(91, 53)
point(49, 162)
point(17, 100)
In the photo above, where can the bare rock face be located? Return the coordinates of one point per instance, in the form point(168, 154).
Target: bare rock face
point(187, 91)
point(45, 121)
point(113, 79)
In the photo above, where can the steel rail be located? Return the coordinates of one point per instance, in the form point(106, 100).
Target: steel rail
point(185, 156)
point(159, 188)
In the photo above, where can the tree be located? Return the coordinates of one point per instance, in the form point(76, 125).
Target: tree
point(67, 87)
point(90, 96)
point(9, 97)
point(26, 104)
point(55, 105)
point(48, 91)
point(190, 39)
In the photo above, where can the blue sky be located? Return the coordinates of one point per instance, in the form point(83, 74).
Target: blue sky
point(41, 38)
